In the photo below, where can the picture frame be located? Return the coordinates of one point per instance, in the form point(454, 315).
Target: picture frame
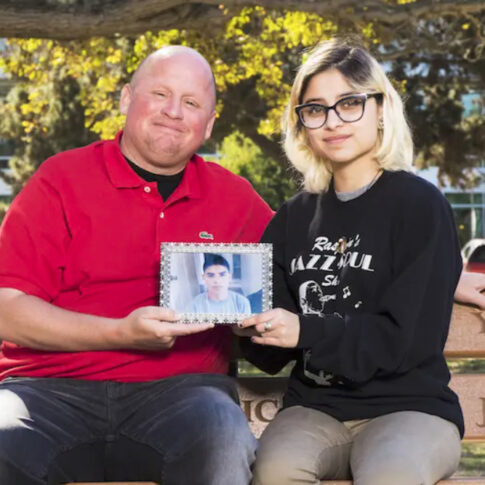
point(220, 283)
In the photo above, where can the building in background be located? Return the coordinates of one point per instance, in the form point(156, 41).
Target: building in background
point(468, 205)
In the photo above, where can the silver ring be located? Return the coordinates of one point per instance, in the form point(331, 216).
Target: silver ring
point(267, 326)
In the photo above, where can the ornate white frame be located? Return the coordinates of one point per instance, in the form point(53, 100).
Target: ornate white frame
point(168, 249)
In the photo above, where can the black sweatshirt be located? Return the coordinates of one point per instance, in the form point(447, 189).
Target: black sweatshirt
point(372, 280)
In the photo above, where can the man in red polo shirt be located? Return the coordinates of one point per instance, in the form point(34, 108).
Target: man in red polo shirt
point(99, 383)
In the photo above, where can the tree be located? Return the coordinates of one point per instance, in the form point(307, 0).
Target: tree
point(245, 57)
point(274, 182)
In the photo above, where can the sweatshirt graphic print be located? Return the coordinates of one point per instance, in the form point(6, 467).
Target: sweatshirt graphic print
point(330, 260)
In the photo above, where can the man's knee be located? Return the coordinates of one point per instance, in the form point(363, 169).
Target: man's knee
point(16, 436)
point(218, 419)
point(215, 444)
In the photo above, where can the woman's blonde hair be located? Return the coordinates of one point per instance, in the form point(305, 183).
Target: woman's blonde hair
point(364, 74)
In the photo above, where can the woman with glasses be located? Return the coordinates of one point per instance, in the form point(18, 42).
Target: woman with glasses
point(366, 261)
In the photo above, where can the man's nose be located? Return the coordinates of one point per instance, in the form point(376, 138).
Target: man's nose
point(173, 107)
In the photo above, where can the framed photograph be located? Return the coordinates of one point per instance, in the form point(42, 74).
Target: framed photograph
point(219, 283)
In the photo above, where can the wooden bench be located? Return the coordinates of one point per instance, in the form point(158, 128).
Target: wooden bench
point(261, 396)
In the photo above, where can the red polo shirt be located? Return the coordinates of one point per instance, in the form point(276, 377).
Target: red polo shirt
point(85, 234)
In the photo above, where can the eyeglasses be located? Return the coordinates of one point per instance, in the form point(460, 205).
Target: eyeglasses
point(348, 109)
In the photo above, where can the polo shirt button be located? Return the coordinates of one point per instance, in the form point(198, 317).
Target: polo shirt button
point(162, 215)
point(147, 189)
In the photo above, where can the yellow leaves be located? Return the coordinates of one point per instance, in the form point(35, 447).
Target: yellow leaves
point(235, 26)
point(305, 29)
point(114, 56)
point(107, 84)
point(265, 41)
point(109, 126)
point(369, 33)
point(398, 2)
point(30, 45)
point(258, 46)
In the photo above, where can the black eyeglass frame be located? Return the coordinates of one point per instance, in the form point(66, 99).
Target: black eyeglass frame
point(363, 96)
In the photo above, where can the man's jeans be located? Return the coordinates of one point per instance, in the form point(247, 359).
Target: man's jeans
point(186, 429)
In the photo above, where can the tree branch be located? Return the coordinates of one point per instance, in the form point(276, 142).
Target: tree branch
point(79, 19)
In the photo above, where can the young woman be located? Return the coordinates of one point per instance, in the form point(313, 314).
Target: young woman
point(366, 261)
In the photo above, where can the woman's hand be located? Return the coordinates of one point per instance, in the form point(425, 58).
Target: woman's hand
point(277, 327)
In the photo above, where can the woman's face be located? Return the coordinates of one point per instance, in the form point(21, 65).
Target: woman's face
point(336, 140)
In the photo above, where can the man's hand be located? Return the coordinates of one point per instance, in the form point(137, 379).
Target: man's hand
point(469, 289)
point(154, 328)
point(277, 327)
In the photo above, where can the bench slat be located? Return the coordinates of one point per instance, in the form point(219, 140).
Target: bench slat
point(467, 333)
point(451, 481)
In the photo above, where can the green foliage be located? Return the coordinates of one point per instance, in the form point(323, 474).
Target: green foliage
point(272, 181)
point(472, 463)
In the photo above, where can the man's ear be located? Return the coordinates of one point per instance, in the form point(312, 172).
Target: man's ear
point(125, 99)
point(210, 125)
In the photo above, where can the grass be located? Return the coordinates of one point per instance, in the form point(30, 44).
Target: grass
point(472, 463)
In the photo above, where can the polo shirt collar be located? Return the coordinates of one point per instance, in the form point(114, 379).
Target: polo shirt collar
point(122, 176)
point(119, 172)
point(190, 185)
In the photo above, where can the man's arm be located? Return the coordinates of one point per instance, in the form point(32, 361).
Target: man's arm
point(29, 321)
point(469, 289)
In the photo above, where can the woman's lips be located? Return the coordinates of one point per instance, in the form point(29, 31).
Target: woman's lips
point(333, 140)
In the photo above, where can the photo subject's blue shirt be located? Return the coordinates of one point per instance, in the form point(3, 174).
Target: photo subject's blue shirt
point(234, 303)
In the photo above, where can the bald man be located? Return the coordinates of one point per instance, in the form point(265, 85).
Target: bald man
point(97, 381)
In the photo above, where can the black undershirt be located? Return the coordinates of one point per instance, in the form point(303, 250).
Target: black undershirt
point(166, 184)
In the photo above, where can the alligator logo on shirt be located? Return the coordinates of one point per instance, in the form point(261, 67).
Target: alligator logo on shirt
point(205, 235)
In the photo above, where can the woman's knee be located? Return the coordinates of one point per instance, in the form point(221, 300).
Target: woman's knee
point(303, 446)
point(279, 466)
point(405, 448)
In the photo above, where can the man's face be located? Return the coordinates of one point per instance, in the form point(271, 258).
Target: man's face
point(217, 278)
point(169, 109)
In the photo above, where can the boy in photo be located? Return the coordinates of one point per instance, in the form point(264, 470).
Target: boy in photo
point(217, 297)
